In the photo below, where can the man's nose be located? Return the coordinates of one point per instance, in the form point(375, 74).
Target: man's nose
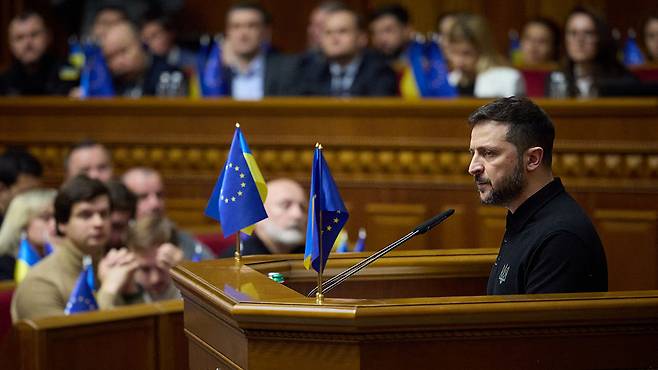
point(475, 167)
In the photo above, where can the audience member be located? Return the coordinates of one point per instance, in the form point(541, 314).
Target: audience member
point(390, 31)
point(651, 38)
point(591, 55)
point(29, 216)
point(540, 43)
point(135, 72)
point(124, 207)
point(160, 37)
point(34, 71)
point(478, 69)
point(90, 158)
point(347, 68)
point(316, 23)
point(443, 25)
point(283, 231)
point(252, 71)
point(153, 241)
point(146, 183)
point(82, 210)
point(106, 17)
point(19, 171)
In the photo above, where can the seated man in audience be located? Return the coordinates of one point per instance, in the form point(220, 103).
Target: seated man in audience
point(283, 231)
point(550, 245)
point(146, 183)
point(316, 23)
point(19, 171)
point(159, 36)
point(153, 241)
point(253, 72)
point(124, 207)
point(82, 210)
point(90, 158)
point(106, 17)
point(34, 71)
point(135, 72)
point(347, 68)
point(540, 43)
point(391, 32)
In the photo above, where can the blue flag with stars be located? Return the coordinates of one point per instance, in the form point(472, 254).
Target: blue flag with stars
point(237, 200)
point(82, 298)
point(95, 79)
point(326, 215)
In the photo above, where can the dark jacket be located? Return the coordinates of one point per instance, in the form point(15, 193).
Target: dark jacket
point(280, 72)
point(149, 83)
point(374, 77)
point(45, 81)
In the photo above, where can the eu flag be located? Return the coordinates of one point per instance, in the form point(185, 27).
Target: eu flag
point(437, 73)
point(212, 79)
point(237, 200)
point(632, 53)
point(26, 258)
point(95, 79)
point(417, 60)
point(326, 214)
point(82, 297)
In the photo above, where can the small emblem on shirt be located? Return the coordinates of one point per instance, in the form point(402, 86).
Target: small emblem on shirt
point(503, 274)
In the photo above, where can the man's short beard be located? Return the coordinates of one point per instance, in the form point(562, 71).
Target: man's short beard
point(509, 189)
point(289, 236)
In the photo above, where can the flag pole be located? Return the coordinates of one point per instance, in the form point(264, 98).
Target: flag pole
point(238, 242)
point(319, 296)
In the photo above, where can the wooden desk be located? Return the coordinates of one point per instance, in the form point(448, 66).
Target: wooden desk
point(237, 318)
point(396, 162)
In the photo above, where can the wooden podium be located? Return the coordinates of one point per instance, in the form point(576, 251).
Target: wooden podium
point(409, 310)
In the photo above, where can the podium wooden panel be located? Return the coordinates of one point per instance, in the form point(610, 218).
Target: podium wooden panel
point(237, 318)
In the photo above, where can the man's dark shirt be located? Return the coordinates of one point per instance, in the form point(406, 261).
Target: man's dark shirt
point(549, 246)
point(254, 245)
point(148, 83)
point(44, 80)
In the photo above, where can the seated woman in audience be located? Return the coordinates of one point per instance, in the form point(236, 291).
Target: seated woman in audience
point(29, 219)
point(153, 241)
point(540, 43)
point(478, 69)
point(651, 38)
point(591, 57)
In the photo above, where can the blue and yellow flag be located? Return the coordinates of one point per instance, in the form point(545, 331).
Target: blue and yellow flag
point(326, 214)
point(82, 297)
point(26, 258)
point(95, 79)
point(360, 245)
point(632, 53)
point(515, 55)
point(437, 73)
point(237, 200)
point(211, 78)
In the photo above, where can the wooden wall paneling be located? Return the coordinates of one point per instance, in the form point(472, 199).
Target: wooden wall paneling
point(390, 222)
point(491, 226)
point(630, 238)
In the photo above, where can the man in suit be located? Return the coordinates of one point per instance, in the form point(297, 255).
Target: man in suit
point(346, 68)
point(253, 71)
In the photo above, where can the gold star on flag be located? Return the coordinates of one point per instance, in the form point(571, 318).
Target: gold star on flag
point(243, 184)
point(232, 199)
point(338, 211)
point(329, 228)
point(237, 168)
point(242, 175)
point(335, 220)
point(230, 164)
point(226, 200)
point(239, 193)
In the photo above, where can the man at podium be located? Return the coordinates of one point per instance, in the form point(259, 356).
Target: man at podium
point(550, 244)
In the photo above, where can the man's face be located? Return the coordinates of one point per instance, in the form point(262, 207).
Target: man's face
point(119, 226)
point(388, 35)
point(92, 161)
point(104, 20)
point(245, 31)
point(536, 44)
point(28, 39)
point(149, 190)
point(88, 227)
point(151, 275)
point(159, 40)
point(651, 37)
point(342, 38)
point(286, 208)
point(316, 27)
point(495, 165)
point(581, 38)
point(123, 52)
point(462, 57)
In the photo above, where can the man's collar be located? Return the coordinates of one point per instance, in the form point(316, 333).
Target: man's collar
point(256, 66)
point(518, 219)
point(349, 69)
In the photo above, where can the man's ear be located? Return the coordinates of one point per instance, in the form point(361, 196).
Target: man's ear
point(533, 158)
point(60, 229)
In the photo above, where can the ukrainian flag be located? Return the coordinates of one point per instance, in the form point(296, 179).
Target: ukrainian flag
point(237, 200)
point(27, 257)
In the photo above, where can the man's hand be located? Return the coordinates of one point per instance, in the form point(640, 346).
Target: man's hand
point(116, 270)
point(168, 256)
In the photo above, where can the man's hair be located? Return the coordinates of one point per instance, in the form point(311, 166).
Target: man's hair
point(15, 162)
point(396, 11)
point(151, 232)
point(360, 23)
point(27, 14)
point(122, 198)
point(529, 125)
point(157, 17)
point(84, 144)
point(115, 8)
point(79, 189)
point(250, 5)
point(554, 29)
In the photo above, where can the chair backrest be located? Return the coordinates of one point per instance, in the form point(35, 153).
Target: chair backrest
point(535, 81)
point(6, 292)
point(216, 242)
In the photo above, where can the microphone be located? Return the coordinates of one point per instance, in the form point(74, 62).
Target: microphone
point(420, 229)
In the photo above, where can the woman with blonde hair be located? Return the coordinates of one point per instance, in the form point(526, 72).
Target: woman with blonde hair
point(29, 218)
point(477, 68)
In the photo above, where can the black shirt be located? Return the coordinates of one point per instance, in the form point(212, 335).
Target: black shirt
point(549, 246)
point(43, 80)
point(254, 245)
